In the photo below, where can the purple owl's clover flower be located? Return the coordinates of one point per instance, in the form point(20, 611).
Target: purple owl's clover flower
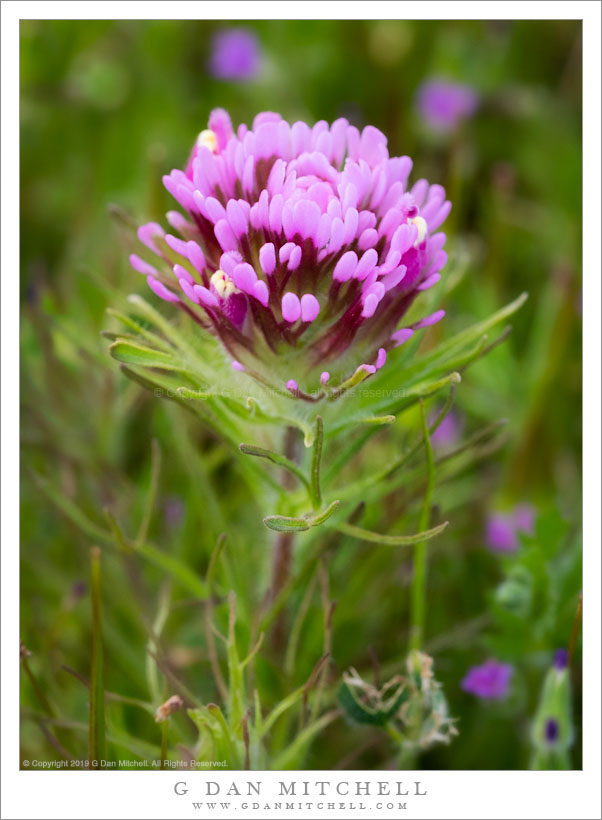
point(443, 104)
point(235, 55)
point(303, 248)
point(489, 681)
point(502, 529)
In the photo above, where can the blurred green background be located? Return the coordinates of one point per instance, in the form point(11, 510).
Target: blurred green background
point(108, 107)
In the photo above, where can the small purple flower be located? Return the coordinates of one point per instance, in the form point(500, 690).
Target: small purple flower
point(561, 659)
point(489, 681)
point(444, 104)
point(500, 533)
point(551, 730)
point(502, 529)
point(448, 431)
point(235, 55)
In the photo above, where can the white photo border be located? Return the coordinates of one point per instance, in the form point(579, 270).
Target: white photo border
point(450, 794)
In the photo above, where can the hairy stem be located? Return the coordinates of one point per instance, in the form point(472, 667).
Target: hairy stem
point(283, 548)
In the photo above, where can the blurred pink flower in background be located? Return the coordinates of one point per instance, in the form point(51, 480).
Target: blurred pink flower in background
point(448, 432)
point(502, 529)
point(235, 55)
point(490, 681)
point(443, 104)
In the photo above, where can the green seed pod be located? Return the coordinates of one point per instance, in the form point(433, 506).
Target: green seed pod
point(552, 733)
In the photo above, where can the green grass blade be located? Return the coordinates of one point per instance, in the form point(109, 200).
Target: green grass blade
point(97, 739)
point(418, 589)
point(152, 491)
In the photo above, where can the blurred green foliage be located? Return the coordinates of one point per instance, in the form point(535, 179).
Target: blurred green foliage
point(107, 107)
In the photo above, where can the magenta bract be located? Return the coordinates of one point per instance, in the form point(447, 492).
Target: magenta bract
point(302, 247)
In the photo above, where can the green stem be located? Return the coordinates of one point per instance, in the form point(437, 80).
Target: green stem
point(283, 546)
point(315, 464)
point(418, 590)
point(97, 695)
point(164, 730)
point(407, 757)
point(44, 702)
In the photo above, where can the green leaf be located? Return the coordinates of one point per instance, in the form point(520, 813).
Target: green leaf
point(171, 565)
point(378, 420)
point(72, 511)
point(389, 540)
point(293, 755)
point(152, 492)
point(284, 523)
point(323, 516)
point(362, 713)
point(140, 329)
point(130, 353)
point(401, 399)
point(236, 681)
point(275, 458)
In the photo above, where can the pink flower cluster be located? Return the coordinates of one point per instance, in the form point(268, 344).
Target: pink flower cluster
point(302, 247)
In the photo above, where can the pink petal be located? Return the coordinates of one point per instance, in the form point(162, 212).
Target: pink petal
point(146, 234)
point(236, 218)
point(401, 336)
point(432, 319)
point(285, 252)
point(267, 258)
point(225, 236)
point(370, 305)
point(214, 209)
point(205, 296)
point(260, 292)
point(295, 258)
point(310, 307)
point(221, 124)
point(291, 307)
point(244, 277)
point(368, 239)
point(189, 290)
point(182, 273)
point(195, 256)
point(345, 267)
point(366, 264)
point(141, 266)
point(428, 283)
point(161, 291)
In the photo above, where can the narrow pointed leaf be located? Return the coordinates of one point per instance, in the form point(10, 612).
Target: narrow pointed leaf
point(275, 458)
point(389, 540)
